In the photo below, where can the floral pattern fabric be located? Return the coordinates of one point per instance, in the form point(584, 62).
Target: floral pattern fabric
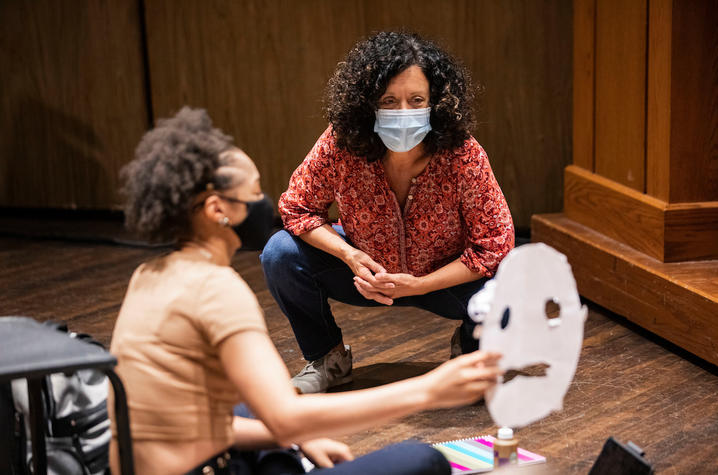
point(454, 208)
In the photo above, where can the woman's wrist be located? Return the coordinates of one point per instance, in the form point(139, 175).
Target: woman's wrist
point(423, 285)
point(346, 253)
point(422, 392)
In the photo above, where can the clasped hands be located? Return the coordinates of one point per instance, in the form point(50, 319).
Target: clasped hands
point(375, 283)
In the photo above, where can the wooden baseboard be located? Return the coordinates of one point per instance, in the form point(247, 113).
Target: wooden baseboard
point(669, 232)
point(677, 301)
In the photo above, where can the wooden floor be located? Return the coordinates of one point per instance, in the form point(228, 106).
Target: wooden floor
point(628, 384)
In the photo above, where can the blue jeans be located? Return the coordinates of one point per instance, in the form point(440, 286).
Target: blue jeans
point(405, 458)
point(302, 278)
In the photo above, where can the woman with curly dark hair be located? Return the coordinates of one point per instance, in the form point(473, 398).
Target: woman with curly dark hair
point(191, 341)
point(423, 220)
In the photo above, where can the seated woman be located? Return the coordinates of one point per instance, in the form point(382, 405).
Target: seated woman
point(191, 340)
point(423, 220)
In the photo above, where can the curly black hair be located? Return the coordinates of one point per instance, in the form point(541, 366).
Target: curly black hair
point(358, 83)
point(173, 163)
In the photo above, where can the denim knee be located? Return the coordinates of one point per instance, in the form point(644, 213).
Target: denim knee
point(279, 250)
point(418, 459)
point(430, 461)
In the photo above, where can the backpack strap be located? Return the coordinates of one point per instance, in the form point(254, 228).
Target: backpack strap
point(79, 422)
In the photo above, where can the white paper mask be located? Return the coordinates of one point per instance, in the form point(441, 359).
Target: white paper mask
point(528, 279)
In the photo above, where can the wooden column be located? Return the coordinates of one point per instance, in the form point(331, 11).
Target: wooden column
point(641, 198)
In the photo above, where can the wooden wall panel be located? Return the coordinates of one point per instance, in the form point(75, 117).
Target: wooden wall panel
point(257, 67)
point(682, 101)
point(260, 68)
point(658, 100)
point(584, 60)
point(72, 100)
point(694, 101)
point(620, 91)
point(521, 53)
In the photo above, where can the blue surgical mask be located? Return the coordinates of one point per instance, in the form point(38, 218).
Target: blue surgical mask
point(402, 129)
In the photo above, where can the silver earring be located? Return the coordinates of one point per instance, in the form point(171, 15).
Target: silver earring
point(224, 221)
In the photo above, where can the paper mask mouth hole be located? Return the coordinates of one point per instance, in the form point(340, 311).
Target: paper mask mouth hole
point(536, 370)
point(505, 318)
point(552, 309)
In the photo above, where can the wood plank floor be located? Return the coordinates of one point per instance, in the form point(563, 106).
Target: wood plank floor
point(629, 384)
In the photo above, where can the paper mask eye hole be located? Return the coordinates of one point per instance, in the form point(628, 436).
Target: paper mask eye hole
point(552, 309)
point(505, 318)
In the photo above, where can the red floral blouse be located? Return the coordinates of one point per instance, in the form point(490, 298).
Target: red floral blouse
point(455, 208)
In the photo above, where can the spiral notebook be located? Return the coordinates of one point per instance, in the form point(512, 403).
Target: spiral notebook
point(476, 455)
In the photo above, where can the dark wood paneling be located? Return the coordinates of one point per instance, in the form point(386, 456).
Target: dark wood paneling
point(658, 100)
point(260, 67)
point(625, 385)
point(621, 91)
point(682, 101)
point(257, 67)
point(694, 101)
point(584, 60)
point(72, 100)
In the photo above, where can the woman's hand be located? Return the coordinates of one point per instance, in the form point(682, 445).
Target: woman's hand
point(386, 287)
point(463, 379)
point(364, 269)
point(391, 286)
point(326, 452)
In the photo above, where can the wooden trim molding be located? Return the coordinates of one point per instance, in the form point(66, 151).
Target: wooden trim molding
point(668, 232)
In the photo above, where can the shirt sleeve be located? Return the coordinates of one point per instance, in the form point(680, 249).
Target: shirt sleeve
point(226, 306)
point(305, 204)
point(490, 228)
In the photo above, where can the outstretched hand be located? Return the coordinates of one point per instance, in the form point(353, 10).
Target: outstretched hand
point(463, 379)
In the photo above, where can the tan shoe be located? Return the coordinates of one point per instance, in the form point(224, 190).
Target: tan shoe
point(333, 369)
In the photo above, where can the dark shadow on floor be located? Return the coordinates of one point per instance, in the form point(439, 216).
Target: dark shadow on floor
point(384, 373)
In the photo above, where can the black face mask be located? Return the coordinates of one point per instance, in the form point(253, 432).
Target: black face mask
point(255, 230)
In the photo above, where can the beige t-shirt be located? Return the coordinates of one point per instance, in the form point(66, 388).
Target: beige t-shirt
point(177, 310)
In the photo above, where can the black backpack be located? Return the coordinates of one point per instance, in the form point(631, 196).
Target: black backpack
point(77, 431)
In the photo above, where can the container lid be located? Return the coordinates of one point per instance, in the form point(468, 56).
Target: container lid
point(506, 433)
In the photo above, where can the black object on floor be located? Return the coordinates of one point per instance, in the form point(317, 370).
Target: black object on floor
point(619, 459)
